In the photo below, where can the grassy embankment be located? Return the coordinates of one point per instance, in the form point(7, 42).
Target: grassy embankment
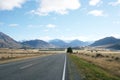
point(90, 71)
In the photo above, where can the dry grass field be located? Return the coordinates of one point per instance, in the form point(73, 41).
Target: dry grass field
point(7, 55)
point(106, 59)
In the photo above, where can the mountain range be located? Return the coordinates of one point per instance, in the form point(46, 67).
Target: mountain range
point(107, 42)
point(62, 44)
point(8, 42)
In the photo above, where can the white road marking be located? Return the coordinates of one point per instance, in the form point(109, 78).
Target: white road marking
point(26, 66)
point(63, 77)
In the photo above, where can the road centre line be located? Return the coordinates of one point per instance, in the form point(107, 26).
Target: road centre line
point(26, 66)
point(63, 77)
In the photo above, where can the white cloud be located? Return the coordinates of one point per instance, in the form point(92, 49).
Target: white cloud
point(97, 13)
point(115, 3)
point(57, 6)
point(50, 26)
point(94, 2)
point(11, 4)
point(41, 25)
point(13, 25)
point(45, 38)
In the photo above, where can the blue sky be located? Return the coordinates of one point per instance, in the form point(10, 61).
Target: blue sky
point(86, 20)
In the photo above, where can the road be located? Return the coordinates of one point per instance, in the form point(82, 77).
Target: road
point(43, 68)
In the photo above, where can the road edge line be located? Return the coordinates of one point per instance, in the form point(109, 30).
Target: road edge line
point(63, 76)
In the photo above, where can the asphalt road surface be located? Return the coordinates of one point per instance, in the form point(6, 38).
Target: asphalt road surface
point(43, 68)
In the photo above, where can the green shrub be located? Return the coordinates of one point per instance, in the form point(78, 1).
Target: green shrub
point(69, 50)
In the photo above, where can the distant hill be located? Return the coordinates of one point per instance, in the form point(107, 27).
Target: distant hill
point(37, 44)
point(62, 44)
point(105, 41)
point(108, 42)
point(58, 43)
point(8, 42)
point(77, 43)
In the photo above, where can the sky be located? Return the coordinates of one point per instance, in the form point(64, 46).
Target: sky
point(86, 20)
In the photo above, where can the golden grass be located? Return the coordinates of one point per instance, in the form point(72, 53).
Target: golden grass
point(89, 71)
point(108, 62)
point(8, 55)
